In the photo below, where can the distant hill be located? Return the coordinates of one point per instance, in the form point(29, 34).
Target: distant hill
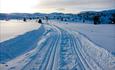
point(105, 16)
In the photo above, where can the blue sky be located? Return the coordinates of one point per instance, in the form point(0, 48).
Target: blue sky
point(49, 6)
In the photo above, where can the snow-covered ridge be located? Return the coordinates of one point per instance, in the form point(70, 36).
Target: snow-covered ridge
point(106, 16)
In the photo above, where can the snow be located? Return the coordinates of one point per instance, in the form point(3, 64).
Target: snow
point(19, 62)
point(13, 28)
point(93, 53)
point(60, 46)
point(20, 44)
point(102, 35)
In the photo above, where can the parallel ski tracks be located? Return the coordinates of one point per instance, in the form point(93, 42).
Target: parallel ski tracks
point(51, 56)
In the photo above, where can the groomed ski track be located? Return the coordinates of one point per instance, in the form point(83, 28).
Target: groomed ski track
point(59, 49)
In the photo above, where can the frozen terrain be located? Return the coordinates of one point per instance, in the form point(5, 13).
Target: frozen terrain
point(102, 35)
point(11, 29)
point(59, 46)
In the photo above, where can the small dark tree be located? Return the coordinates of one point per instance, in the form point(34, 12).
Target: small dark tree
point(113, 19)
point(40, 21)
point(62, 19)
point(30, 18)
point(24, 19)
point(83, 20)
point(65, 19)
point(96, 19)
point(37, 17)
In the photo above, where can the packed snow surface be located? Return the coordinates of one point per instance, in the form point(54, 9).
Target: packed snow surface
point(102, 35)
point(55, 46)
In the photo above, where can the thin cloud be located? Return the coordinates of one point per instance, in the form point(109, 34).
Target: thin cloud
point(70, 6)
point(60, 9)
point(75, 5)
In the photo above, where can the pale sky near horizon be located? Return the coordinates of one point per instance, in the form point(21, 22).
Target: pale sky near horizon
point(49, 6)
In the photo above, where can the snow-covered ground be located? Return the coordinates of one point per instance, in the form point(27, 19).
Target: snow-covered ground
point(60, 46)
point(102, 35)
point(11, 29)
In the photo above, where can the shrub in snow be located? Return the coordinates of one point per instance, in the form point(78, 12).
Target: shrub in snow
point(40, 21)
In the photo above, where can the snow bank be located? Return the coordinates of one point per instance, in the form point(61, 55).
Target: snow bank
point(13, 28)
point(19, 62)
point(23, 43)
point(92, 53)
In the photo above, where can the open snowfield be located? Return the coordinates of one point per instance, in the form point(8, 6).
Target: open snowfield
point(11, 29)
point(60, 46)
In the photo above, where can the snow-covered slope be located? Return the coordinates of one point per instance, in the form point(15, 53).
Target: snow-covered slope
point(58, 48)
